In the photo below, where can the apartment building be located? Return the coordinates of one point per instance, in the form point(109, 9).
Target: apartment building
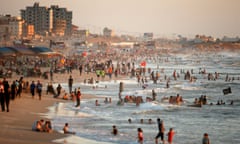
point(39, 16)
point(62, 20)
point(10, 28)
point(48, 20)
point(16, 27)
point(4, 27)
point(108, 32)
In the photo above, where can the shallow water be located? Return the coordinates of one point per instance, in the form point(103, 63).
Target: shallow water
point(222, 123)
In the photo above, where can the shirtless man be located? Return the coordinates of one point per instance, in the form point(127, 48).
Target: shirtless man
point(66, 131)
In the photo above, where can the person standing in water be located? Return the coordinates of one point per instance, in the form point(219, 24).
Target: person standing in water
point(170, 135)
point(140, 136)
point(70, 83)
point(114, 130)
point(78, 97)
point(66, 129)
point(160, 131)
point(205, 139)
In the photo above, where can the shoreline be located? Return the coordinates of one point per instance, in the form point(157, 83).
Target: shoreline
point(16, 125)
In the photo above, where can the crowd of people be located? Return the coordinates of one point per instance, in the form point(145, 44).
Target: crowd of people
point(124, 66)
point(11, 91)
point(160, 135)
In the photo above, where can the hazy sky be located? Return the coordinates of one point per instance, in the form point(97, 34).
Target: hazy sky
point(217, 18)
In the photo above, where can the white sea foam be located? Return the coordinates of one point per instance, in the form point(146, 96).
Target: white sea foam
point(95, 123)
point(76, 140)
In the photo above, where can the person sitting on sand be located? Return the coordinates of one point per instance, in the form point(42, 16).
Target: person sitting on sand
point(66, 131)
point(39, 126)
point(35, 124)
point(65, 96)
point(47, 127)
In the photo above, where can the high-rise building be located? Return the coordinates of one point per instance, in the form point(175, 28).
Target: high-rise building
point(38, 16)
point(10, 26)
point(48, 20)
point(62, 20)
point(15, 25)
point(108, 32)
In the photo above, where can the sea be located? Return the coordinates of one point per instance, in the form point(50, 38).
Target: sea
point(93, 124)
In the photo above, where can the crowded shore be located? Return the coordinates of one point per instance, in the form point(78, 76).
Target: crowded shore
point(24, 110)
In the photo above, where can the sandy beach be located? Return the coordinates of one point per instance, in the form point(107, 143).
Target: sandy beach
point(16, 125)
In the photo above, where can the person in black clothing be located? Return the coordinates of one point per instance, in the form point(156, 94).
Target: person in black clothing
point(160, 131)
point(19, 90)
point(2, 97)
point(32, 89)
point(13, 90)
point(6, 93)
point(51, 74)
point(70, 83)
point(114, 130)
point(80, 69)
point(59, 88)
point(39, 89)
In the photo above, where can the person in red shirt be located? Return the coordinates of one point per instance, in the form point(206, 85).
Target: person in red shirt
point(170, 135)
point(140, 136)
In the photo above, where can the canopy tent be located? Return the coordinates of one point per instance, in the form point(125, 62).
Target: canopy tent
point(23, 51)
point(35, 51)
point(41, 49)
point(44, 51)
point(7, 51)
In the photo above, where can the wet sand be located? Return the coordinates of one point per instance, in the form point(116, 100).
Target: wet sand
point(16, 125)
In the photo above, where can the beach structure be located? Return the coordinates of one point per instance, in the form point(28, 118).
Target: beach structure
point(24, 51)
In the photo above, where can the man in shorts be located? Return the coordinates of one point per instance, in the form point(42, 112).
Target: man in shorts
point(160, 131)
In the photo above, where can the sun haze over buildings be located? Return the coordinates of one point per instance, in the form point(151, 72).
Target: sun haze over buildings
point(162, 17)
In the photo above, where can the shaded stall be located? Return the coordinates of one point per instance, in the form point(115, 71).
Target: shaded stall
point(7, 52)
point(45, 52)
point(23, 51)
